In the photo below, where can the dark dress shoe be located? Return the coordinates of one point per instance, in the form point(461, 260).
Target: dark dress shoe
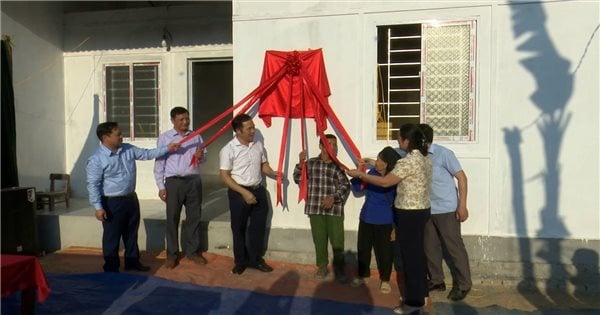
point(171, 263)
point(437, 287)
point(457, 294)
point(138, 267)
point(262, 266)
point(238, 269)
point(199, 259)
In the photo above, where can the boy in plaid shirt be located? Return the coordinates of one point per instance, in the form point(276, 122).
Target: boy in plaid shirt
point(328, 188)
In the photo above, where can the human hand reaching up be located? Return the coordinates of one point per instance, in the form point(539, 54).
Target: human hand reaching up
point(366, 161)
point(302, 156)
point(199, 154)
point(355, 173)
point(173, 146)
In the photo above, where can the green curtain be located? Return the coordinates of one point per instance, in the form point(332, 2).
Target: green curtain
point(9, 175)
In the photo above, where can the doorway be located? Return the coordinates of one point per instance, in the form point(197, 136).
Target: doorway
point(211, 93)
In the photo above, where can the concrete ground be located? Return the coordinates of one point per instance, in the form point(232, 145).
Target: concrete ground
point(72, 237)
point(298, 280)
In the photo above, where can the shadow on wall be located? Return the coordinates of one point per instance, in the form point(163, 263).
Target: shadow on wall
point(554, 89)
point(78, 174)
point(586, 263)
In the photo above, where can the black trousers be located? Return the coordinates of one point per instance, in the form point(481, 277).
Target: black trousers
point(375, 237)
point(248, 226)
point(122, 223)
point(410, 237)
point(183, 191)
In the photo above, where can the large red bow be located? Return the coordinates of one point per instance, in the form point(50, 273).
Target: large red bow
point(293, 85)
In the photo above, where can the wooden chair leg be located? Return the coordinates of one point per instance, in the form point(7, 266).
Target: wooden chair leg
point(67, 202)
point(51, 203)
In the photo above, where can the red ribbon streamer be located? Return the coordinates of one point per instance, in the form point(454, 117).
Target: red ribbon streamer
point(252, 96)
point(302, 90)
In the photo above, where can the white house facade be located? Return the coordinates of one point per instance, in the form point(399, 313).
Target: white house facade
point(529, 143)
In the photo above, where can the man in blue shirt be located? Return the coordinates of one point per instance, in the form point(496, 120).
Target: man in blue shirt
point(111, 176)
point(448, 210)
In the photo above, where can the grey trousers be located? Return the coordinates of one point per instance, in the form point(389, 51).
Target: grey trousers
point(183, 191)
point(445, 229)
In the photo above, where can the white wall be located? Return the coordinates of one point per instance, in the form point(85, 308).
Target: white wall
point(133, 36)
point(83, 81)
point(507, 92)
point(521, 98)
point(525, 66)
point(36, 34)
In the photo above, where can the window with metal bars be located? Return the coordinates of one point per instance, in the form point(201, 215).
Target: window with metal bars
point(132, 98)
point(425, 74)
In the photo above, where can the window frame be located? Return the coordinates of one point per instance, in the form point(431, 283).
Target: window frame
point(384, 89)
point(472, 102)
point(131, 125)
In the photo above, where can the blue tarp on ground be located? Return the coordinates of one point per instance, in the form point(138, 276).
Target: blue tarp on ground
point(122, 293)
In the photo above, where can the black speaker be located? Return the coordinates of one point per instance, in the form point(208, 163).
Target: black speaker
point(19, 228)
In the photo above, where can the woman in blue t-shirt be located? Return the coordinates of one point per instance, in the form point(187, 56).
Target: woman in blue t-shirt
point(376, 221)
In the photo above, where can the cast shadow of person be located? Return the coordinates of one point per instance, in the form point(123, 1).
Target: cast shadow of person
point(258, 136)
point(587, 266)
point(528, 286)
point(554, 89)
point(78, 174)
point(275, 166)
point(277, 299)
point(330, 290)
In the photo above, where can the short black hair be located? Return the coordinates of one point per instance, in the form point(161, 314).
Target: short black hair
point(328, 136)
point(428, 132)
point(105, 129)
point(239, 120)
point(178, 111)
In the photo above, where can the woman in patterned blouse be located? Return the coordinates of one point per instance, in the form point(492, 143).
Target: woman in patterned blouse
point(412, 175)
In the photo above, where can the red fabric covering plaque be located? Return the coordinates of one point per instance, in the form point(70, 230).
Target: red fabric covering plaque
point(293, 85)
point(21, 273)
point(291, 91)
